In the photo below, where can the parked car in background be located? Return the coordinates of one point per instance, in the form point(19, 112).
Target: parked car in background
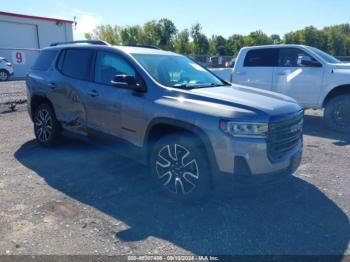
point(215, 62)
point(6, 69)
point(312, 77)
point(193, 129)
point(231, 63)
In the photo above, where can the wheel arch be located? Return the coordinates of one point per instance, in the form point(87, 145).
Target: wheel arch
point(163, 126)
point(4, 69)
point(37, 100)
point(336, 91)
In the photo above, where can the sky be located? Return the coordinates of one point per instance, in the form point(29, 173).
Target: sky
point(220, 17)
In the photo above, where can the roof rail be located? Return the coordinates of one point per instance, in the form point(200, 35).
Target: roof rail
point(145, 46)
point(91, 42)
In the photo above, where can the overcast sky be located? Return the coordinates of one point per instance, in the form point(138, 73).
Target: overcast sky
point(221, 17)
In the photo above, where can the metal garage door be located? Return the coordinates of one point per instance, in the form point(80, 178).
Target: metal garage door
point(18, 35)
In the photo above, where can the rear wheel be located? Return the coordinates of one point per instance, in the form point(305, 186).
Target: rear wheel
point(46, 127)
point(337, 113)
point(180, 167)
point(4, 75)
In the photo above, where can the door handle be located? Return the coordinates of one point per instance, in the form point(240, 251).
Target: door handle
point(241, 73)
point(93, 93)
point(52, 85)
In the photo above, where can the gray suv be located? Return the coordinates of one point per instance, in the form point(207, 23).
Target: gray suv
point(192, 128)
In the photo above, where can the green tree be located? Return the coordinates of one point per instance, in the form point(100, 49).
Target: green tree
point(276, 39)
point(167, 32)
point(163, 33)
point(260, 38)
point(131, 35)
point(182, 42)
point(218, 45)
point(200, 45)
point(151, 33)
point(106, 33)
point(234, 44)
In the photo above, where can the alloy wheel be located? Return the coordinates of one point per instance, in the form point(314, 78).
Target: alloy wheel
point(177, 170)
point(43, 125)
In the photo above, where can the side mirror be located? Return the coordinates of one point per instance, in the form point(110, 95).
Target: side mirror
point(308, 61)
point(128, 81)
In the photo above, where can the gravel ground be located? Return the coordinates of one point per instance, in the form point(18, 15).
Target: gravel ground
point(12, 92)
point(80, 199)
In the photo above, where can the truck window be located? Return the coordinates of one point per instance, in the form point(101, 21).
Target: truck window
point(291, 57)
point(261, 58)
point(76, 63)
point(44, 60)
point(108, 65)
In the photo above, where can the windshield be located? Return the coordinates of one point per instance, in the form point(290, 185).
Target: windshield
point(177, 71)
point(329, 58)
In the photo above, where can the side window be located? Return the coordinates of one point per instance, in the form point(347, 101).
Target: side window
point(76, 63)
point(60, 60)
point(261, 58)
point(108, 65)
point(291, 57)
point(44, 60)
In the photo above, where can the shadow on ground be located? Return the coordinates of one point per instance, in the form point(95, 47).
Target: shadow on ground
point(293, 217)
point(315, 126)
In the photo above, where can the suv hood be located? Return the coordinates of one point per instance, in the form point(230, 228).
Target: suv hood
point(239, 101)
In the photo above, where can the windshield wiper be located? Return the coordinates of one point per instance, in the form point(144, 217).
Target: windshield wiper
point(182, 86)
point(187, 87)
point(211, 85)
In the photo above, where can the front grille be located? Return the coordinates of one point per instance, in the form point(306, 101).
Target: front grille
point(285, 133)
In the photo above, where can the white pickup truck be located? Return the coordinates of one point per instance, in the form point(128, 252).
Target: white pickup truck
point(312, 77)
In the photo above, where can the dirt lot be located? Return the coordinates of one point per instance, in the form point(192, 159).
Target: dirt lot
point(79, 199)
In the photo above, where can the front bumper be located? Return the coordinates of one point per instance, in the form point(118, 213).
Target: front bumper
point(249, 158)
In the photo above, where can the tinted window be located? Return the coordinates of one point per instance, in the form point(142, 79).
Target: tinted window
point(76, 63)
point(60, 60)
point(261, 57)
point(108, 65)
point(44, 60)
point(291, 57)
point(177, 71)
point(325, 56)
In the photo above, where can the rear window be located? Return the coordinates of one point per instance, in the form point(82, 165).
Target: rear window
point(44, 60)
point(261, 58)
point(76, 63)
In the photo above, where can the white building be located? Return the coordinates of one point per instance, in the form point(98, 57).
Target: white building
point(22, 36)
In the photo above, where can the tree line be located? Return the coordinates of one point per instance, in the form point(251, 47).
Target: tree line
point(164, 34)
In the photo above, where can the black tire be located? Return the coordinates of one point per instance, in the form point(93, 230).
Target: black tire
point(4, 75)
point(180, 167)
point(47, 129)
point(337, 113)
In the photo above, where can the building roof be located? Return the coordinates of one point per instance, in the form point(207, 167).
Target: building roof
point(36, 17)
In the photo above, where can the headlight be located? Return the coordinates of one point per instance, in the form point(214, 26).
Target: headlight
point(244, 129)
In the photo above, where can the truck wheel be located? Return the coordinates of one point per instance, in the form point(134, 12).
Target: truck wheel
point(4, 75)
point(46, 127)
point(180, 167)
point(337, 113)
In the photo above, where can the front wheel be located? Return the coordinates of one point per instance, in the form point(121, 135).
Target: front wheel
point(180, 167)
point(337, 113)
point(46, 127)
